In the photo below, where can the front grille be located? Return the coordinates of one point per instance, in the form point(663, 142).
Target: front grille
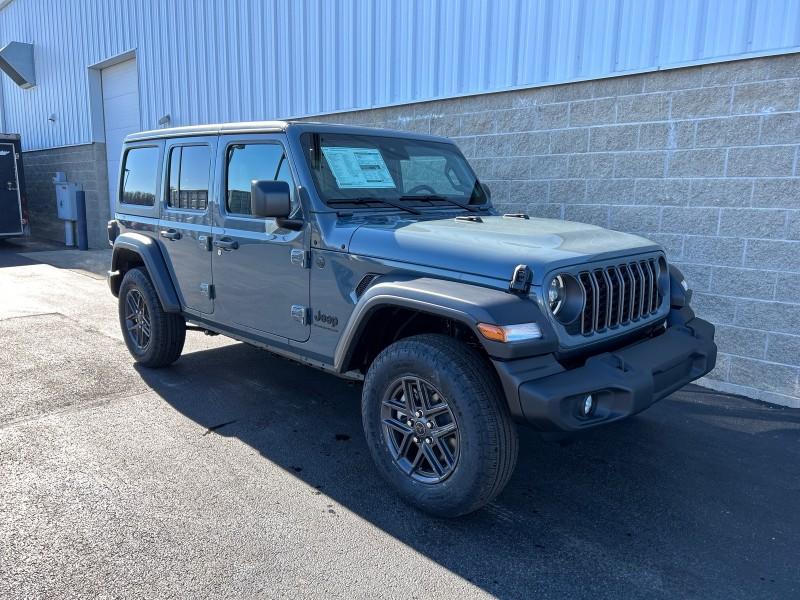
point(617, 295)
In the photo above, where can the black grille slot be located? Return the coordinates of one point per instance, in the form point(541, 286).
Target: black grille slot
point(617, 295)
point(364, 284)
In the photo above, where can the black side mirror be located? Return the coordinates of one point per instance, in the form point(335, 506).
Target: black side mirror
point(270, 199)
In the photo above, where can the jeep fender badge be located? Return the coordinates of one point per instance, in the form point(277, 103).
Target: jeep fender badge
point(521, 280)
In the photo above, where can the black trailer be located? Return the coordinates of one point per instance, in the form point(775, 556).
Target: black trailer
point(13, 204)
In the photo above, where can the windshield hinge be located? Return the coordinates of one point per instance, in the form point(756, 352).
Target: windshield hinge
point(521, 280)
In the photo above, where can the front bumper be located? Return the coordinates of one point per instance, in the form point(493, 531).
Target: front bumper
point(623, 382)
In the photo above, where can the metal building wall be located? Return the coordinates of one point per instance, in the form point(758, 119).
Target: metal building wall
point(206, 61)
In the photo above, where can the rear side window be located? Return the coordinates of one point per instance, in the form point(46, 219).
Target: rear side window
point(247, 162)
point(188, 177)
point(140, 176)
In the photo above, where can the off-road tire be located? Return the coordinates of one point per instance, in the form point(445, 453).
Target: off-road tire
point(167, 330)
point(487, 441)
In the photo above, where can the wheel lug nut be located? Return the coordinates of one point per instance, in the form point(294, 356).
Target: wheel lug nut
point(430, 425)
point(428, 441)
point(419, 413)
point(416, 439)
point(409, 423)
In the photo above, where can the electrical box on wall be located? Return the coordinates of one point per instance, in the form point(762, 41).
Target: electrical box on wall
point(66, 193)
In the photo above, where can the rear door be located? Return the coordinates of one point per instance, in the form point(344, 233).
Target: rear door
point(185, 223)
point(10, 201)
point(261, 279)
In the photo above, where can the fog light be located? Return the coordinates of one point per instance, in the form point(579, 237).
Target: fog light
point(588, 406)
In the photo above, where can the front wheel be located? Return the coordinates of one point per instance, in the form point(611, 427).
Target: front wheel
point(437, 425)
point(155, 338)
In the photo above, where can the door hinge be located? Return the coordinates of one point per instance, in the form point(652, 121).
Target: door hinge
point(300, 258)
point(207, 290)
point(300, 313)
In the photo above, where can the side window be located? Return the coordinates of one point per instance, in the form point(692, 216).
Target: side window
point(246, 162)
point(188, 177)
point(139, 176)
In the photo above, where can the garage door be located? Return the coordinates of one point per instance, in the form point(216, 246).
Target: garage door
point(120, 115)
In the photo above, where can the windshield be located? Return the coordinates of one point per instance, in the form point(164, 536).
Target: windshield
point(352, 170)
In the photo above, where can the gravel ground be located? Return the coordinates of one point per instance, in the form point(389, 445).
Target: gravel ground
point(238, 474)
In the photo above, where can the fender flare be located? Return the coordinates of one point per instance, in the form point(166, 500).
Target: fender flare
point(147, 248)
point(463, 302)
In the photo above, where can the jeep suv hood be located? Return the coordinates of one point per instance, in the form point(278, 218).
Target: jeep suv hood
point(493, 247)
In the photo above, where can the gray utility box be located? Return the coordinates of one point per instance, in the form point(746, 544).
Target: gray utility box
point(66, 193)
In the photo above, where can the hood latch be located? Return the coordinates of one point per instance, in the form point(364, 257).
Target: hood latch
point(521, 280)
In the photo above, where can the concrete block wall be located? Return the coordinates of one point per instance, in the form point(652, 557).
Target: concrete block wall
point(85, 165)
point(703, 160)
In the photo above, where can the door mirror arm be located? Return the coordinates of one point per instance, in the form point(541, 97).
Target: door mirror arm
point(293, 224)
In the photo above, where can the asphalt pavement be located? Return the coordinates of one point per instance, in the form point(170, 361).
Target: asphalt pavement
point(239, 474)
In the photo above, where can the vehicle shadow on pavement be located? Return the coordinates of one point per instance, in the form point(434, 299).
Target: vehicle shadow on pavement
point(697, 496)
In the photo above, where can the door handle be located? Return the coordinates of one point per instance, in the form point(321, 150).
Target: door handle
point(171, 234)
point(226, 244)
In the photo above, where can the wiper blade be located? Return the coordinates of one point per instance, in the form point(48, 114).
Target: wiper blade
point(468, 207)
point(367, 199)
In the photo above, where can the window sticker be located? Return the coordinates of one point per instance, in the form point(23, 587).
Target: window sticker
point(358, 167)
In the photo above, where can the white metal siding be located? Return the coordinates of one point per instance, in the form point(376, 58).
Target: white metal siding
point(206, 61)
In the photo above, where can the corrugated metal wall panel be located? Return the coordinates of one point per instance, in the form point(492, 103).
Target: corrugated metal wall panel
point(204, 61)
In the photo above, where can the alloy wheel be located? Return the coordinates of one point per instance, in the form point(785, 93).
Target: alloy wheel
point(137, 320)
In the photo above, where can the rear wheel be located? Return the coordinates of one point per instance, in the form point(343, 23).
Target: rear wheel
point(155, 338)
point(437, 424)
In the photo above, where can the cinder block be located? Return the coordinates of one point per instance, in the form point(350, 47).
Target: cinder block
point(761, 161)
point(467, 146)
point(544, 211)
point(778, 317)
point(609, 191)
point(592, 112)
point(516, 167)
point(643, 107)
point(743, 283)
point(773, 254)
point(696, 163)
point(569, 141)
point(788, 286)
point(531, 97)
point(721, 369)
point(619, 86)
point(714, 250)
point(782, 348)
point(696, 221)
point(727, 131)
point(568, 191)
point(741, 341)
point(594, 214)
point(720, 310)
point(776, 193)
point(698, 277)
point(662, 192)
point(785, 66)
point(595, 165)
point(573, 91)
point(739, 71)
point(549, 166)
point(673, 79)
point(703, 102)
point(763, 375)
point(552, 116)
point(613, 137)
point(753, 223)
point(528, 191)
point(635, 219)
point(721, 192)
point(793, 223)
point(640, 164)
point(783, 128)
point(513, 144)
point(447, 125)
point(671, 135)
point(478, 123)
point(766, 97)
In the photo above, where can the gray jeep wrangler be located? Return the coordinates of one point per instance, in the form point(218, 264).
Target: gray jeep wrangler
point(377, 255)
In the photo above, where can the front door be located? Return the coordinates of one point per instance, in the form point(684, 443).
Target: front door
point(185, 224)
point(260, 280)
point(10, 202)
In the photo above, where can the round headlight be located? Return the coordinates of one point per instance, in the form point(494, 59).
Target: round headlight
point(556, 294)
